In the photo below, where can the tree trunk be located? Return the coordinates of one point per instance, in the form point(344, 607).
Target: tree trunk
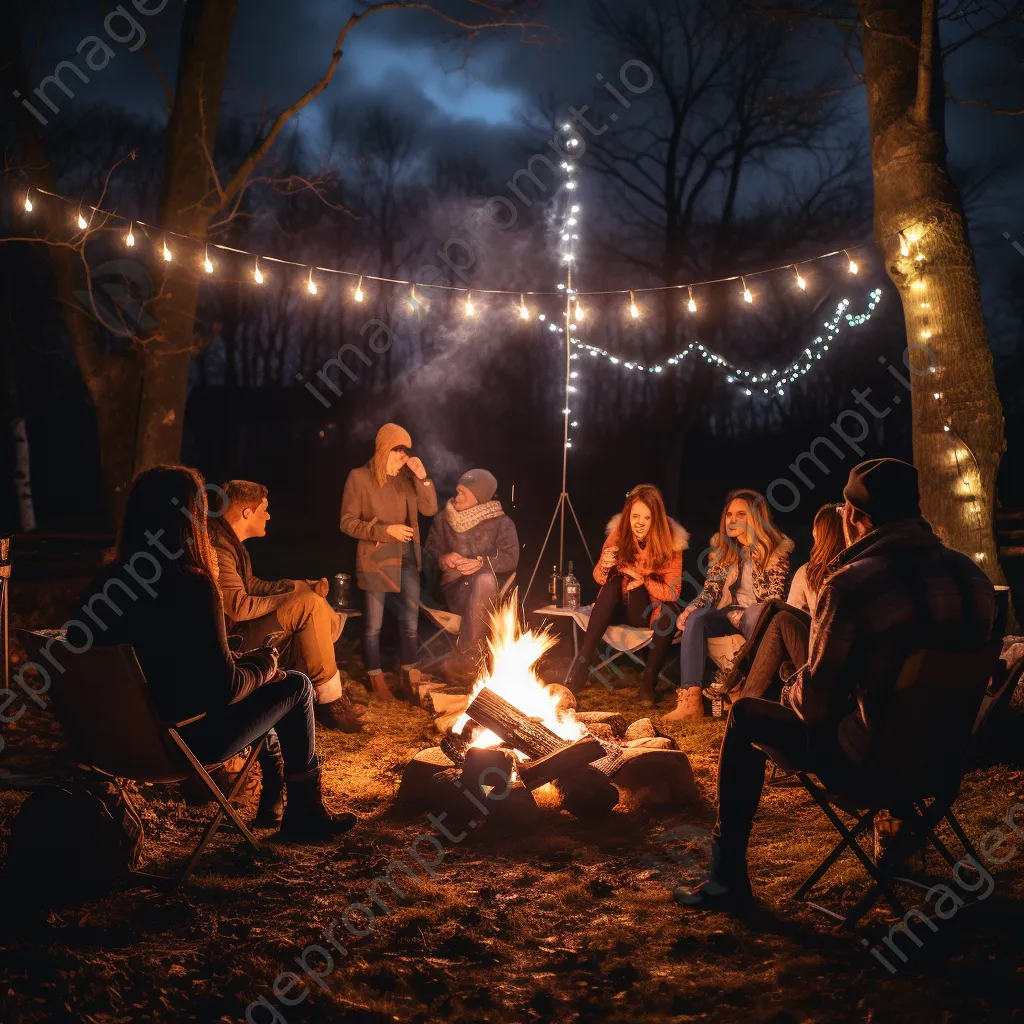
point(958, 437)
point(112, 379)
point(188, 200)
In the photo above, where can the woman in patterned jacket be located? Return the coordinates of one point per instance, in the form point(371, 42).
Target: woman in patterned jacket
point(748, 565)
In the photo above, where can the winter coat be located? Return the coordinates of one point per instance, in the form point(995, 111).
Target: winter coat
point(895, 591)
point(245, 595)
point(481, 531)
point(768, 581)
point(663, 582)
point(179, 638)
point(373, 501)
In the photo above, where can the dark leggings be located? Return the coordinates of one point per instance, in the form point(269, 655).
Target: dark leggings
point(785, 639)
point(635, 609)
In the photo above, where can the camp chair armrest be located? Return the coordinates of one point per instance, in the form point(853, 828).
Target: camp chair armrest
point(779, 759)
point(184, 722)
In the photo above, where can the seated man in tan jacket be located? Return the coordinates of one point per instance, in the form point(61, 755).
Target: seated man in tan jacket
point(254, 607)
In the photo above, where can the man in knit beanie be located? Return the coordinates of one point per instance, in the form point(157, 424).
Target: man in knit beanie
point(895, 590)
point(475, 545)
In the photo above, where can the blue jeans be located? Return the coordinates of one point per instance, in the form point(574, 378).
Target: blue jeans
point(405, 606)
point(473, 597)
point(701, 625)
point(286, 706)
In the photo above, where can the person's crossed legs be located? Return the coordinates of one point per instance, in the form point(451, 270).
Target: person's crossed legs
point(473, 597)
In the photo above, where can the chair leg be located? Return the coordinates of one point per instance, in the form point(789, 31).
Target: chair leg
point(225, 802)
point(950, 819)
point(839, 849)
point(881, 886)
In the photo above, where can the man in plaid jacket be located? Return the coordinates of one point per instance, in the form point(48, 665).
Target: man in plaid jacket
point(894, 590)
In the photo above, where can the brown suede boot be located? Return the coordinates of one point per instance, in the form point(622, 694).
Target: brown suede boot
point(379, 687)
point(689, 704)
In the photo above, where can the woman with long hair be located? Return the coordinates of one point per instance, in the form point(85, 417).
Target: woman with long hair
point(640, 572)
point(176, 626)
point(782, 648)
point(828, 542)
point(747, 566)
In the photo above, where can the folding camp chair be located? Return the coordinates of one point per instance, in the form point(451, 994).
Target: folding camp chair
point(445, 639)
point(625, 642)
point(915, 772)
point(102, 700)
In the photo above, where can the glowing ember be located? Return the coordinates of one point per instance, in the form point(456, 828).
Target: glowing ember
point(514, 653)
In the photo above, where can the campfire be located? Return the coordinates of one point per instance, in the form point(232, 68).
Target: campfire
point(516, 743)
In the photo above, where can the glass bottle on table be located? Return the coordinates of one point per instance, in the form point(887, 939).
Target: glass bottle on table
point(553, 586)
point(570, 590)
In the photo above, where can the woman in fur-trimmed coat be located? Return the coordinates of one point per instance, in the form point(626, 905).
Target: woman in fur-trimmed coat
point(640, 571)
point(748, 566)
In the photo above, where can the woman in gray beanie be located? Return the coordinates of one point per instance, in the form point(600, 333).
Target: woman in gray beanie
point(476, 546)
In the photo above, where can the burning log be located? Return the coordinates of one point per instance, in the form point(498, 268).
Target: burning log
point(566, 761)
point(506, 720)
point(455, 744)
point(610, 719)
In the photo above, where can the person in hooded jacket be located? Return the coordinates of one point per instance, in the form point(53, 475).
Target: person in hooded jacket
point(380, 507)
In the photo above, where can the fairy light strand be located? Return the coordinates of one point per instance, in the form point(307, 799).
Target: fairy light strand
point(115, 218)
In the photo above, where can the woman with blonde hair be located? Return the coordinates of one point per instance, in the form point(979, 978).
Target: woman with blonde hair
point(747, 567)
point(640, 572)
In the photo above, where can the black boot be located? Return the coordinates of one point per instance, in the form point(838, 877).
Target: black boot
point(271, 806)
point(578, 674)
point(647, 692)
point(306, 819)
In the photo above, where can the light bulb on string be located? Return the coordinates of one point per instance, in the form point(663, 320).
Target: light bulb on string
point(207, 265)
point(633, 311)
point(800, 282)
point(904, 245)
point(257, 274)
point(579, 311)
point(28, 202)
point(851, 266)
point(129, 239)
point(82, 222)
point(359, 291)
point(310, 283)
point(469, 304)
point(691, 305)
point(414, 302)
point(167, 253)
point(747, 296)
point(524, 313)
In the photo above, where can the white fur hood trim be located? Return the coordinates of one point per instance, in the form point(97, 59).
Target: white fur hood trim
point(680, 538)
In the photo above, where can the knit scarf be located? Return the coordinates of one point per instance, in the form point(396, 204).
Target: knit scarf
point(460, 522)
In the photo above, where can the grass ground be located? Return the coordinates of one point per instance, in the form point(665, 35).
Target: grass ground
point(570, 922)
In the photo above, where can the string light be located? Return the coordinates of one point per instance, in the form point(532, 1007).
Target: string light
point(469, 304)
point(851, 266)
point(82, 222)
point(207, 265)
point(800, 282)
point(691, 305)
point(28, 202)
point(742, 378)
point(359, 291)
point(633, 311)
point(167, 253)
point(747, 297)
point(904, 245)
point(257, 273)
point(524, 313)
point(579, 312)
point(129, 239)
point(311, 284)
